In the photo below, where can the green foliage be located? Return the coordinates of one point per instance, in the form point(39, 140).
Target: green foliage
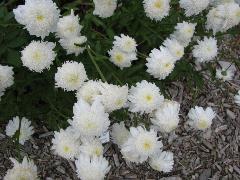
point(34, 95)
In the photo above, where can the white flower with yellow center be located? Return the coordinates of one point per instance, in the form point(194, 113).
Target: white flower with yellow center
point(104, 8)
point(156, 9)
point(193, 7)
point(125, 43)
point(175, 48)
point(206, 50)
point(162, 161)
point(6, 77)
point(184, 32)
point(26, 170)
point(160, 63)
point(120, 58)
point(74, 45)
point(119, 133)
point(201, 119)
point(70, 76)
point(65, 144)
point(91, 147)
point(26, 130)
point(90, 120)
point(38, 55)
point(145, 97)
point(113, 97)
point(91, 168)
point(166, 118)
point(68, 26)
point(141, 144)
point(89, 91)
point(40, 17)
point(237, 98)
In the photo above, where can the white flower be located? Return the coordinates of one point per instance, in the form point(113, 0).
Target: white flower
point(119, 133)
point(141, 144)
point(74, 45)
point(237, 98)
point(26, 129)
point(175, 48)
point(156, 9)
point(26, 170)
point(125, 43)
point(104, 8)
point(184, 32)
point(145, 97)
point(70, 76)
point(6, 77)
point(1, 94)
point(90, 120)
point(113, 97)
point(218, 2)
point(38, 55)
point(166, 118)
point(201, 119)
point(224, 74)
point(223, 17)
point(91, 168)
point(89, 91)
point(120, 58)
point(206, 50)
point(91, 147)
point(162, 161)
point(39, 17)
point(160, 63)
point(193, 7)
point(65, 144)
point(68, 26)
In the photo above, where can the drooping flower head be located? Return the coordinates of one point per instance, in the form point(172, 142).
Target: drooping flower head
point(175, 48)
point(237, 98)
point(6, 77)
point(26, 170)
point(119, 133)
point(40, 17)
point(38, 55)
point(104, 8)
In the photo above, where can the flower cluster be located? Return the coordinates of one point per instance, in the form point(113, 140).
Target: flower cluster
point(124, 51)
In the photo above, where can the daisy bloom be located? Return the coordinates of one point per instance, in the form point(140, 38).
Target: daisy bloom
point(162, 161)
point(26, 170)
point(156, 9)
point(125, 43)
point(38, 55)
point(89, 91)
point(92, 168)
point(68, 26)
point(6, 77)
point(160, 63)
point(193, 7)
point(175, 48)
point(120, 58)
point(26, 130)
point(201, 119)
point(70, 76)
point(224, 74)
point(119, 133)
point(74, 45)
point(40, 17)
point(104, 8)
point(206, 50)
point(237, 98)
point(113, 97)
point(65, 144)
point(90, 120)
point(166, 118)
point(141, 144)
point(91, 147)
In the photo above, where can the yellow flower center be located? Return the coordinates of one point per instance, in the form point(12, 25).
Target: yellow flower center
point(202, 124)
point(158, 4)
point(71, 29)
point(90, 125)
point(148, 98)
point(119, 102)
point(22, 178)
point(40, 18)
point(147, 145)
point(119, 58)
point(238, 13)
point(179, 53)
point(37, 56)
point(66, 149)
point(73, 78)
point(98, 151)
point(168, 65)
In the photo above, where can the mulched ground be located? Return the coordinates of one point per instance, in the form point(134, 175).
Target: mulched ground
point(212, 155)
